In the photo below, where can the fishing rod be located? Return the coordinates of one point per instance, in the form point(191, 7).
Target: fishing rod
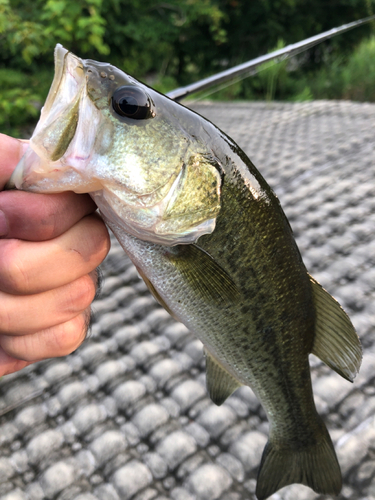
point(251, 67)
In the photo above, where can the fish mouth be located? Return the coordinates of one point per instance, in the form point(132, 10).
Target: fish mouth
point(56, 126)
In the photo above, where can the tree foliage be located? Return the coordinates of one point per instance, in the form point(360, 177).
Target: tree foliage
point(165, 43)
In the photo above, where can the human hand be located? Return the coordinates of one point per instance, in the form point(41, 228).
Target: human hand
point(50, 246)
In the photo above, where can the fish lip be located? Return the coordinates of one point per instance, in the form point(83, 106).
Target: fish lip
point(69, 77)
point(59, 57)
point(68, 82)
point(62, 58)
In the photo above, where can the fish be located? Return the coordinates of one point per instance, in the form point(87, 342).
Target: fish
point(209, 237)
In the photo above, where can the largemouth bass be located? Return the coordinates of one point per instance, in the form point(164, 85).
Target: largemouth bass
point(211, 241)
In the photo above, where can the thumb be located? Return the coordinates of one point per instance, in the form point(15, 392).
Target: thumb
point(11, 151)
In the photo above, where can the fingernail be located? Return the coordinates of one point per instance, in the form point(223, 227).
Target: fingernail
point(4, 229)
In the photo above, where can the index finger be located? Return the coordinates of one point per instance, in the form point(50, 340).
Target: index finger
point(37, 217)
point(32, 216)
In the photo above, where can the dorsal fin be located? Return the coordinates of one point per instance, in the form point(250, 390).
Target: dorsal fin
point(220, 383)
point(336, 342)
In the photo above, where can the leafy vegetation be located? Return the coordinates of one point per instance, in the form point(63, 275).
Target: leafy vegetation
point(172, 43)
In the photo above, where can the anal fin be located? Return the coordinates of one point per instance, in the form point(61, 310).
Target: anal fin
point(220, 383)
point(336, 342)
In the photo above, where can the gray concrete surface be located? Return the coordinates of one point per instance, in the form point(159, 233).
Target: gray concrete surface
point(127, 415)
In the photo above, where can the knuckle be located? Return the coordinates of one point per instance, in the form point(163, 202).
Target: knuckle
point(104, 243)
point(98, 241)
point(56, 341)
point(82, 293)
point(69, 336)
point(13, 276)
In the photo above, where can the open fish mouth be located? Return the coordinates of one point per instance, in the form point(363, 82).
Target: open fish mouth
point(56, 127)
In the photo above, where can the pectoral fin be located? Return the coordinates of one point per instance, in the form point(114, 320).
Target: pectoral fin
point(204, 275)
point(336, 342)
point(220, 383)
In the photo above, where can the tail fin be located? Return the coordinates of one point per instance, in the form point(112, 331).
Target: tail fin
point(315, 466)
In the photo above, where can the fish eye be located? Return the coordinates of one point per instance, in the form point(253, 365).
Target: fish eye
point(131, 102)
